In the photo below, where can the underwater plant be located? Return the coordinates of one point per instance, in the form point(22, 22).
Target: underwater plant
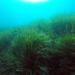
point(5, 39)
point(44, 47)
point(27, 54)
point(65, 45)
point(42, 25)
point(6, 36)
point(62, 23)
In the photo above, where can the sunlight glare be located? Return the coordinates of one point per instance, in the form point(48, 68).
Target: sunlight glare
point(34, 0)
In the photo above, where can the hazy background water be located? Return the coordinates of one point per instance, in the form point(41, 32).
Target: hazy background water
point(16, 12)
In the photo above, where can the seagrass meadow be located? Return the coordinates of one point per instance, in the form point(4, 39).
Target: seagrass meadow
point(43, 47)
